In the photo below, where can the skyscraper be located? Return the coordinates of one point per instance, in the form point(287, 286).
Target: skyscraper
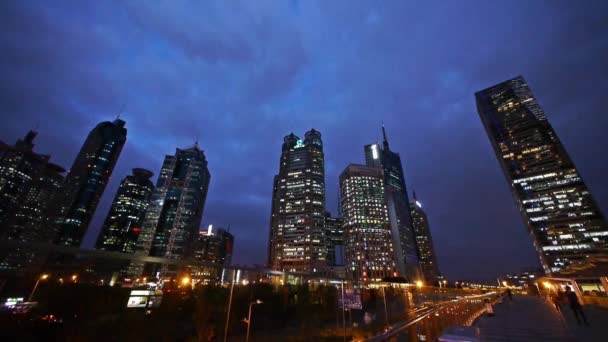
point(424, 242)
point(28, 182)
point(369, 248)
point(87, 180)
point(297, 236)
point(172, 221)
point(123, 223)
point(563, 219)
point(334, 233)
point(398, 205)
point(214, 247)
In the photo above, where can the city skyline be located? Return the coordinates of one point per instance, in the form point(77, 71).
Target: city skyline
point(436, 129)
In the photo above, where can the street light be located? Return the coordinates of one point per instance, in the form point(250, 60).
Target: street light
point(248, 319)
point(185, 281)
point(419, 283)
point(42, 277)
point(74, 278)
point(504, 283)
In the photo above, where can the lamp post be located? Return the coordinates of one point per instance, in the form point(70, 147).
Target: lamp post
point(229, 306)
point(248, 319)
point(42, 277)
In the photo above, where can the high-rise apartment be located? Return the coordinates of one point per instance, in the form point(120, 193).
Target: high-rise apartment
point(214, 247)
point(424, 242)
point(123, 224)
point(398, 205)
point(369, 248)
point(562, 218)
point(297, 235)
point(87, 180)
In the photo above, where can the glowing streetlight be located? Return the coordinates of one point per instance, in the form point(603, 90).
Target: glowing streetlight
point(504, 283)
point(248, 319)
point(74, 278)
point(419, 283)
point(42, 277)
point(185, 281)
point(547, 285)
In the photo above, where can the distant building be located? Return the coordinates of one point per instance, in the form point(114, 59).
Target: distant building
point(335, 240)
point(214, 247)
point(174, 215)
point(28, 182)
point(297, 227)
point(424, 243)
point(123, 224)
point(87, 180)
point(524, 279)
point(369, 249)
point(562, 218)
point(398, 206)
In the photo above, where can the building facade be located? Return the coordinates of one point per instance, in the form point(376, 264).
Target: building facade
point(123, 224)
point(214, 247)
point(369, 248)
point(334, 233)
point(398, 205)
point(28, 183)
point(424, 243)
point(562, 218)
point(172, 221)
point(297, 240)
point(87, 179)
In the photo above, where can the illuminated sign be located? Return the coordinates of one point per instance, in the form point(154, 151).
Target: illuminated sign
point(375, 151)
point(299, 144)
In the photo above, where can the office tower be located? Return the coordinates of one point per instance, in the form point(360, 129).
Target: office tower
point(122, 226)
point(87, 179)
point(297, 237)
point(563, 219)
point(334, 233)
point(424, 242)
point(214, 247)
point(28, 181)
point(369, 249)
point(398, 205)
point(174, 215)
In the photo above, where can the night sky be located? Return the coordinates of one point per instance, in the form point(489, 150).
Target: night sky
point(238, 76)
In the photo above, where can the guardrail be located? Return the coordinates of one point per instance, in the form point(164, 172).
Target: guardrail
point(430, 322)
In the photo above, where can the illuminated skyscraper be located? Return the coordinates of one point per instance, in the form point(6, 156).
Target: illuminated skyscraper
point(398, 205)
point(87, 180)
point(424, 242)
point(123, 223)
point(28, 183)
point(297, 235)
point(173, 218)
point(214, 247)
point(369, 248)
point(564, 222)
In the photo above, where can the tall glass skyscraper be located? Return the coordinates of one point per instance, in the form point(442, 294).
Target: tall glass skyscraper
point(122, 226)
point(424, 243)
point(87, 180)
point(369, 249)
point(398, 205)
point(297, 236)
point(563, 220)
point(334, 233)
point(28, 183)
point(172, 222)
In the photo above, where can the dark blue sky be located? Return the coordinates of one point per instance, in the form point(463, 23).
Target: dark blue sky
point(238, 76)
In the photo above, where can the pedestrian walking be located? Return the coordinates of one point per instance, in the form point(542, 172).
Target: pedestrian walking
point(557, 300)
point(510, 293)
point(576, 306)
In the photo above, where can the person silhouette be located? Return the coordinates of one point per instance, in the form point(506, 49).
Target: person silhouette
point(576, 306)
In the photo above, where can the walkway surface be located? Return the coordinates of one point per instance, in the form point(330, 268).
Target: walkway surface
point(535, 319)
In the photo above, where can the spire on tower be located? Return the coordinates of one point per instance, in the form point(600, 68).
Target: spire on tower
point(385, 141)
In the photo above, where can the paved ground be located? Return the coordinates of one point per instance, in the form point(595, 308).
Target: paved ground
point(535, 319)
